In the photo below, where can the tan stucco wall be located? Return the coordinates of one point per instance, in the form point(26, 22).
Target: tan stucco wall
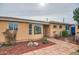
point(57, 29)
point(76, 30)
point(23, 32)
point(3, 27)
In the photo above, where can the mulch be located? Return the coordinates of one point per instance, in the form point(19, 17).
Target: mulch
point(21, 47)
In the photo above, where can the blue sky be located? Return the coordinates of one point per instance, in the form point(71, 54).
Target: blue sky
point(52, 11)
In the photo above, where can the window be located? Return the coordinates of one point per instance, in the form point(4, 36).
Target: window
point(67, 27)
point(30, 28)
point(54, 26)
point(37, 29)
point(13, 26)
point(60, 26)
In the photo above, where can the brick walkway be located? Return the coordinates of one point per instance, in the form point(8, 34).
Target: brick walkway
point(60, 48)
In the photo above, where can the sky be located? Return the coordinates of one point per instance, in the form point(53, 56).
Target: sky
point(40, 11)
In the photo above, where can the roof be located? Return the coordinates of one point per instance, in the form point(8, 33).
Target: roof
point(14, 19)
point(55, 22)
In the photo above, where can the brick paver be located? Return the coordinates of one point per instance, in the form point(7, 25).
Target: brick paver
point(60, 48)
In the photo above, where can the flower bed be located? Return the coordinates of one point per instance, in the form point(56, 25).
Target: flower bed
point(21, 47)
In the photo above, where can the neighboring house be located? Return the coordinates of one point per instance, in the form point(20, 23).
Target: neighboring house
point(30, 29)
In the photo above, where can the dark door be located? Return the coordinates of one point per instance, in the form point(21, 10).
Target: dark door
point(73, 30)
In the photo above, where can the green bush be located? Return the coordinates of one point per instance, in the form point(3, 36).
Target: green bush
point(44, 40)
point(64, 33)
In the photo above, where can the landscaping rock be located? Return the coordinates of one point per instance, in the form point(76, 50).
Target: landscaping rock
point(32, 44)
point(36, 44)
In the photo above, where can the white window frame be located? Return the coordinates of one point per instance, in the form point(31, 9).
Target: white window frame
point(13, 23)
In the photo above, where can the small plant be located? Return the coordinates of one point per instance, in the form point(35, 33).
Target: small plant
point(44, 40)
point(64, 33)
point(5, 45)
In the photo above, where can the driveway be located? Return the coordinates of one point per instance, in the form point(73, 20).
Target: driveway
point(60, 48)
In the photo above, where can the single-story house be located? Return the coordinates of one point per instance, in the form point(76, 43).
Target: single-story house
point(29, 29)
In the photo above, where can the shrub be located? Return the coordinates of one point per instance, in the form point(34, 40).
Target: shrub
point(10, 38)
point(5, 45)
point(64, 33)
point(44, 40)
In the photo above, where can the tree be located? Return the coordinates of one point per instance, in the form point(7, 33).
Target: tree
point(76, 15)
point(76, 18)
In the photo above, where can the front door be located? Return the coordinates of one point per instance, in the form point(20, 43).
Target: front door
point(46, 30)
